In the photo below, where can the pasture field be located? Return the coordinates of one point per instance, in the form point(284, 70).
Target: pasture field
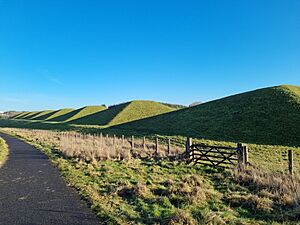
point(136, 186)
point(123, 189)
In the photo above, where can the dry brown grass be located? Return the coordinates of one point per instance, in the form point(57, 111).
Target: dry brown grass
point(92, 148)
point(273, 193)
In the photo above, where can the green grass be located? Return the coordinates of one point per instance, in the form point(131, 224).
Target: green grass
point(20, 115)
point(3, 152)
point(41, 114)
point(151, 192)
point(125, 112)
point(79, 113)
point(45, 115)
point(30, 115)
point(137, 110)
point(57, 114)
point(264, 116)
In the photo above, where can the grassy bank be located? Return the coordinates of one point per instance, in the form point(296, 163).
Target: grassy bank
point(3, 152)
point(134, 191)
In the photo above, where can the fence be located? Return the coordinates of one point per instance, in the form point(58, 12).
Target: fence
point(104, 147)
point(227, 157)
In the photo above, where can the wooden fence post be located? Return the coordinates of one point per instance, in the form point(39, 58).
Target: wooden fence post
point(169, 146)
point(156, 146)
point(144, 143)
point(132, 143)
point(123, 141)
point(290, 159)
point(188, 145)
point(101, 141)
point(114, 140)
point(245, 155)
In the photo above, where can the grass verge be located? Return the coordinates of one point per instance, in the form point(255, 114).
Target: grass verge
point(3, 152)
point(150, 192)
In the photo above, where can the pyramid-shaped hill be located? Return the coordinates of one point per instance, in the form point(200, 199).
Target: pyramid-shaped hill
point(20, 115)
point(265, 116)
point(123, 113)
point(79, 113)
point(41, 114)
point(58, 114)
point(30, 115)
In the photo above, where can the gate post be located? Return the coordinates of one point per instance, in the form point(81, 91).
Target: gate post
point(245, 155)
point(240, 156)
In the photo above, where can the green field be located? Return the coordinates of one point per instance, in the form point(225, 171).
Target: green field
point(135, 191)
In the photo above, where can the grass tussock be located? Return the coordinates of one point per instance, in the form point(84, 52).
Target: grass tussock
point(92, 148)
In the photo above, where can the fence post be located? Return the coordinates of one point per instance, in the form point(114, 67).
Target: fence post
point(114, 141)
point(132, 143)
point(245, 155)
point(123, 141)
point(188, 145)
point(156, 146)
point(144, 143)
point(290, 158)
point(169, 146)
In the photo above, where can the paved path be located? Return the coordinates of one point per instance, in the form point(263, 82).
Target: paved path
point(33, 193)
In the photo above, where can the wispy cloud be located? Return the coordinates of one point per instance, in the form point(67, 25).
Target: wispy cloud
point(49, 77)
point(55, 80)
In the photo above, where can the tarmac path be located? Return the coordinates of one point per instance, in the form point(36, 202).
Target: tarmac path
point(32, 192)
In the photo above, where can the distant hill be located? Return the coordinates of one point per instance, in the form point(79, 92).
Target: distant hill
point(12, 114)
point(174, 106)
point(268, 116)
point(125, 112)
point(195, 103)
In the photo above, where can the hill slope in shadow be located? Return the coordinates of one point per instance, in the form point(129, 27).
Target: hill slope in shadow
point(266, 116)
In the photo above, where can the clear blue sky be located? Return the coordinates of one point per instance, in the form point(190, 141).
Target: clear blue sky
point(70, 53)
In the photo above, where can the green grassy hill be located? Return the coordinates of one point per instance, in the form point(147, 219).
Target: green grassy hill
point(41, 114)
point(20, 115)
point(268, 116)
point(79, 113)
point(57, 114)
point(30, 115)
point(123, 113)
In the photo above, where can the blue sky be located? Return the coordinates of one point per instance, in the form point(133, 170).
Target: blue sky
point(72, 53)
